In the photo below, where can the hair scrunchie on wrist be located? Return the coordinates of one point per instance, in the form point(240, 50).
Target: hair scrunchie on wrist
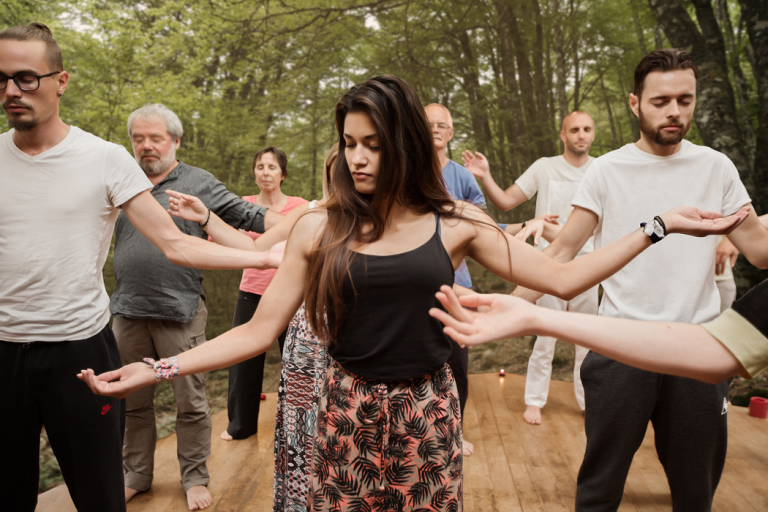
point(165, 369)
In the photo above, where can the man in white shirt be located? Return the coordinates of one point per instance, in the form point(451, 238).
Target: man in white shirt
point(671, 281)
point(61, 192)
point(555, 179)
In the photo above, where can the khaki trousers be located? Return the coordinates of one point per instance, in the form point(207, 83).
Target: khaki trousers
point(140, 338)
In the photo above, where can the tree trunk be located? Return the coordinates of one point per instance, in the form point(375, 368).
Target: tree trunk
point(638, 28)
point(610, 113)
point(544, 141)
point(755, 14)
point(657, 36)
point(633, 122)
point(513, 119)
point(716, 107)
point(738, 80)
point(562, 99)
point(576, 74)
point(711, 32)
point(523, 64)
point(471, 83)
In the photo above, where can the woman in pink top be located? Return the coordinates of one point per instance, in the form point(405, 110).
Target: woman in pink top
point(270, 167)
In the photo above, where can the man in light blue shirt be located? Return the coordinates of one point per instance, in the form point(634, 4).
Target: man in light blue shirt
point(461, 185)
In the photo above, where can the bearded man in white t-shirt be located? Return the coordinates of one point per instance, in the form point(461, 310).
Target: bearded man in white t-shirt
point(671, 281)
point(555, 179)
point(62, 189)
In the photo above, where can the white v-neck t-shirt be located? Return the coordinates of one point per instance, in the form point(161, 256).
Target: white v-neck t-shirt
point(671, 280)
point(556, 181)
point(57, 213)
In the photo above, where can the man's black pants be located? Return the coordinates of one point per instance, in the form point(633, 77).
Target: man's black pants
point(39, 388)
point(691, 433)
point(245, 379)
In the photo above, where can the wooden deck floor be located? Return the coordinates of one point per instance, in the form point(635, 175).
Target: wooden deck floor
point(516, 467)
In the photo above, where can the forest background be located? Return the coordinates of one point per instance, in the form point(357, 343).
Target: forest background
point(243, 74)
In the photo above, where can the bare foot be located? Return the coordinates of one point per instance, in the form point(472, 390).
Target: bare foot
point(130, 493)
point(468, 448)
point(532, 415)
point(225, 436)
point(198, 497)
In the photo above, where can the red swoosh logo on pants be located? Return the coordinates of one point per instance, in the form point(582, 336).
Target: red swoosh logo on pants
point(105, 409)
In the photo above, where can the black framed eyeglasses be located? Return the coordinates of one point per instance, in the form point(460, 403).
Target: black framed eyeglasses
point(24, 81)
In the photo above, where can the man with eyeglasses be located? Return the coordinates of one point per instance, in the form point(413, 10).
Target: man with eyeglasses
point(461, 185)
point(62, 189)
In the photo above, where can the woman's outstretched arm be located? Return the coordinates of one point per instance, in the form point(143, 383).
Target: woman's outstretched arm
point(279, 303)
point(665, 347)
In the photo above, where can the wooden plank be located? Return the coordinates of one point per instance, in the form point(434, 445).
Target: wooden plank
point(509, 418)
point(477, 472)
point(488, 399)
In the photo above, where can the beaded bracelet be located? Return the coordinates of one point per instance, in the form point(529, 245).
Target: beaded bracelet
point(165, 369)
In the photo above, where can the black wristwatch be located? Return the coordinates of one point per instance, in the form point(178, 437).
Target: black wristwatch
point(654, 230)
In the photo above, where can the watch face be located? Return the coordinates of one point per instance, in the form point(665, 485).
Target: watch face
point(658, 230)
point(648, 229)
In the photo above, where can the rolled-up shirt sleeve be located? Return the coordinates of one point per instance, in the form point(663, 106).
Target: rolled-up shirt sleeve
point(743, 330)
point(232, 209)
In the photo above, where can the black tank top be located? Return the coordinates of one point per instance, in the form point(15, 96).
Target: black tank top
point(388, 334)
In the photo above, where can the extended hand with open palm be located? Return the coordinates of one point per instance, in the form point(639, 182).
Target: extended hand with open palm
point(476, 163)
point(691, 221)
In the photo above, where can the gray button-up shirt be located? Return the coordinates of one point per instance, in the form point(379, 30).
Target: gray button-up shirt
point(148, 284)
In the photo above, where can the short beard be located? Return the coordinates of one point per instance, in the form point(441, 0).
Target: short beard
point(577, 151)
point(159, 166)
point(22, 125)
point(657, 135)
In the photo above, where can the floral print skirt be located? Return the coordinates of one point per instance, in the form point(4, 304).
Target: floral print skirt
point(387, 445)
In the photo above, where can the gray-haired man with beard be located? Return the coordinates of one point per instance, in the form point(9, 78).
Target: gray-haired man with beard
point(670, 282)
point(159, 308)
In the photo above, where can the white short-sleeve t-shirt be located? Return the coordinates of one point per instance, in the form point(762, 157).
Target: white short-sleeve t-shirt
point(57, 213)
point(671, 280)
point(556, 182)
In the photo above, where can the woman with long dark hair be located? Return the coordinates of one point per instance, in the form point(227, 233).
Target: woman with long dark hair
point(370, 261)
point(305, 360)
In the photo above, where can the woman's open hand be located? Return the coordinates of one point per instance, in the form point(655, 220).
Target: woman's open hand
point(129, 379)
point(503, 316)
point(186, 207)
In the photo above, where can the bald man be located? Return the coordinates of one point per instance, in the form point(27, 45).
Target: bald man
point(555, 179)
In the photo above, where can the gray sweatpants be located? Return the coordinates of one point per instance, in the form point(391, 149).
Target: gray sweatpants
point(689, 419)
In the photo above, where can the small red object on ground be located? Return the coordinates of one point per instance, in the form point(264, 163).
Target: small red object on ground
point(758, 407)
point(501, 372)
point(263, 396)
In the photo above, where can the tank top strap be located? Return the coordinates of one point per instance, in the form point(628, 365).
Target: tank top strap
point(437, 224)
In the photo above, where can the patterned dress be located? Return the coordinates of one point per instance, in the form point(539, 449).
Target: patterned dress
point(391, 446)
point(305, 364)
